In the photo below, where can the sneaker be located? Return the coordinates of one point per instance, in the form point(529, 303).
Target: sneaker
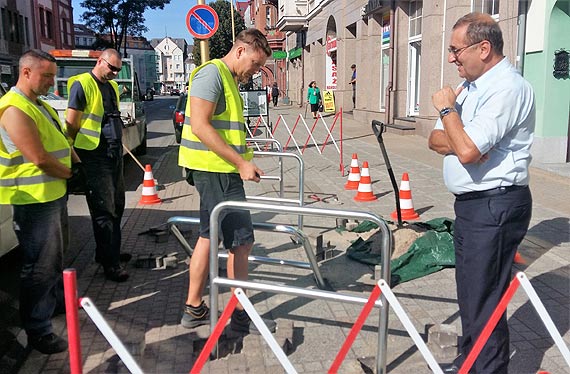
point(195, 316)
point(241, 322)
point(116, 274)
point(48, 344)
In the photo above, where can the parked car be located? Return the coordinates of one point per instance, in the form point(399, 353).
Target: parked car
point(174, 92)
point(8, 240)
point(178, 116)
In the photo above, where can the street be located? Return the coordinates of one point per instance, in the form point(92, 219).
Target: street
point(145, 311)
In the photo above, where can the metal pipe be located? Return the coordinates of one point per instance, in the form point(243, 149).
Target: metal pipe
point(386, 246)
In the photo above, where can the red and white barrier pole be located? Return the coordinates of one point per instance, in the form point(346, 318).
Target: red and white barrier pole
point(355, 330)
point(72, 317)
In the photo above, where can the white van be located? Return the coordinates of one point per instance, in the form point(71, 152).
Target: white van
point(8, 240)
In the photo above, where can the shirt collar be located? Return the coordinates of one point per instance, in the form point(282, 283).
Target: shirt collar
point(490, 76)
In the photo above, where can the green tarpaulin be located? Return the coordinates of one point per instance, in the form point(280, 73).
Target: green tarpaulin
point(429, 253)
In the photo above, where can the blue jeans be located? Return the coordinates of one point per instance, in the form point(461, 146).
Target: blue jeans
point(106, 200)
point(42, 232)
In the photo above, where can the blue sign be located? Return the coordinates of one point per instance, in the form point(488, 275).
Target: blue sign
point(202, 21)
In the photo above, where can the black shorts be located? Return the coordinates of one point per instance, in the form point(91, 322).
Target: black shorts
point(315, 107)
point(214, 188)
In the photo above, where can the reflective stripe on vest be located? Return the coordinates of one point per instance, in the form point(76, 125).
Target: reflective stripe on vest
point(230, 125)
point(22, 182)
point(90, 130)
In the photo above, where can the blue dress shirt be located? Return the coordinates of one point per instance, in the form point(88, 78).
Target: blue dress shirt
point(498, 113)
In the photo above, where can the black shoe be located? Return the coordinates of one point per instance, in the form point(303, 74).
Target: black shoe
point(125, 257)
point(116, 274)
point(48, 344)
point(195, 316)
point(241, 322)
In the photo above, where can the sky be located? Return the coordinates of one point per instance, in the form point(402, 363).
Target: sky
point(170, 21)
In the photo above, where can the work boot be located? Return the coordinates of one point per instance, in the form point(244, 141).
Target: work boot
point(195, 316)
point(116, 274)
point(241, 322)
point(47, 344)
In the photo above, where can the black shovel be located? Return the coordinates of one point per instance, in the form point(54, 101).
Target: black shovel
point(378, 128)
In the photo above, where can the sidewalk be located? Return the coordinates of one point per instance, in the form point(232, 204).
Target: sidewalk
point(145, 311)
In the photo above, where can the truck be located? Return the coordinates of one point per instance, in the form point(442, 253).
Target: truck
point(72, 62)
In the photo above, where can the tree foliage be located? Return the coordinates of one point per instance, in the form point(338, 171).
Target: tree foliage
point(221, 42)
point(118, 18)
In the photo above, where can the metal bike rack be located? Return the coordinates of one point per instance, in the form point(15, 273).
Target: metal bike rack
point(386, 245)
point(301, 200)
point(302, 238)
point(280, 150)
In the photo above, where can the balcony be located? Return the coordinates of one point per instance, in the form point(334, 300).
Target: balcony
point(293, 15)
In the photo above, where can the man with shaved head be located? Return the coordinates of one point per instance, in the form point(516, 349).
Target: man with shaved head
point(485, 132)
point(93, 122)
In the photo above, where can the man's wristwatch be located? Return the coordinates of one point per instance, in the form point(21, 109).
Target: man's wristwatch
point(445, 111)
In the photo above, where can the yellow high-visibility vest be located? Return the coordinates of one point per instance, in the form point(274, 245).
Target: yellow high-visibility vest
point(230, 125)
point(90, 131)
point(22, 182)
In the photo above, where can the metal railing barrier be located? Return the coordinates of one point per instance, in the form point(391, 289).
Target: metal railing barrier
point(386, 244)
point(298, 234)
point(280, 150)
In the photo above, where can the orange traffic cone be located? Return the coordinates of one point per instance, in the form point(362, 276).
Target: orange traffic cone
point(406, 204)
point(365, 186)
point(354, 175)
point(149, 195)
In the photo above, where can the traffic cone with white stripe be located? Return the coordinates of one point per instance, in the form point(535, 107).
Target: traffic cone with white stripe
point(149, 194)
point(365, 186)
point(406, 204)
point(354, 175)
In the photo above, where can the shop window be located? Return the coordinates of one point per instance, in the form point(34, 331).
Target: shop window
point(486, 6)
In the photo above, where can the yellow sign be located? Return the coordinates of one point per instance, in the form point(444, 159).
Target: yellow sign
point(328, 101)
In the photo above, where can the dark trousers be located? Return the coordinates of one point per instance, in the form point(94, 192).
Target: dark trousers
point(487, 234)
point(42, 233)
point(106, 200)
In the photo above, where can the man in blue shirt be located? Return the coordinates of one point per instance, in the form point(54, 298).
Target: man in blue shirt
point(485, 132)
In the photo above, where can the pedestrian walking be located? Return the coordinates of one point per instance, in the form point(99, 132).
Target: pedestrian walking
point(217, 159)
point(275, 93)
point(314, 98)
point(353, 83)
point(485, 132)
point(36, 161)
point(94, 123)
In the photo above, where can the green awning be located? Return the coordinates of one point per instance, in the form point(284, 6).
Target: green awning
point(279, 55)
point(295, 52)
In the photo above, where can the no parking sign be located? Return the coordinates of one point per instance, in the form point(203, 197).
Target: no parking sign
point(202, 21)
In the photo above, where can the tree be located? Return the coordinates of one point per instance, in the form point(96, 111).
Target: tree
point(118, 18)
point(221, 42)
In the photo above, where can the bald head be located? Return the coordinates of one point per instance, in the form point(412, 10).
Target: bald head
point(33, 57)
point(481, 26)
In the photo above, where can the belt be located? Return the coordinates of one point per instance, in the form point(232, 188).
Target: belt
point(488, 193)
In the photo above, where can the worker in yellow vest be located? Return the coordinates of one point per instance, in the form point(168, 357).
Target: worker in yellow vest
point(93, 121)
point(35, 161)
point(214, 152)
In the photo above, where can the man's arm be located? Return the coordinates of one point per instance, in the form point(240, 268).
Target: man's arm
point(458, 141)
point(73, 122)
point(438, 142)
point(24, 133)
point(202, 111)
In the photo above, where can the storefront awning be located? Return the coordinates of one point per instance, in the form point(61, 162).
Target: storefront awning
point(295, 52)
point(279, 55)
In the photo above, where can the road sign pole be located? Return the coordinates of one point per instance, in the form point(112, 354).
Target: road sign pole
point(204, 46)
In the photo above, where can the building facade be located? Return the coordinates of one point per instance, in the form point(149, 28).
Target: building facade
point(171, 63)
point(400, 49)
point(16, 36)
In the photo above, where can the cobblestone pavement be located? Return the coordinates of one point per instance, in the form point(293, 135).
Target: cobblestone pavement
point(145, 311)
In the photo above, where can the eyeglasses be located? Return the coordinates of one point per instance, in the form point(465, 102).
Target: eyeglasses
point(113, 68)
point(457, 51)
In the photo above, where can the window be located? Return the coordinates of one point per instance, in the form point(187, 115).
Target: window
point(46, 23)
point(415, 18)
point(487, 6)
point(385, 59)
